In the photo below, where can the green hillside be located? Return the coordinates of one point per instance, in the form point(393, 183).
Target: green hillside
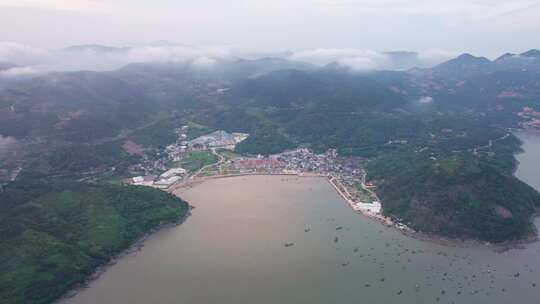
point(53, 235)
point(458, 196)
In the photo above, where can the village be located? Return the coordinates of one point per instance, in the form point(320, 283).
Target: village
point(215, 157)
point(532, 118)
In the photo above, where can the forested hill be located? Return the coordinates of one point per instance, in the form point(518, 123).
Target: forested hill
point(76, 125)
point(438, 148)
point(457, 196)
point(53, 234)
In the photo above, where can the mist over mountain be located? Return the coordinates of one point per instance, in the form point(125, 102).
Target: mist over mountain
point(27, 61)
point(97, 57)
point(334, 151)
point(7, 66)
point(434, 138)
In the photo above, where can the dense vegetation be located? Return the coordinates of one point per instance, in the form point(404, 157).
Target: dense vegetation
point(457, 196)
point(445, 167)
point(53, 234)
point(198, 159)
point(75, 160)
point(265, 141)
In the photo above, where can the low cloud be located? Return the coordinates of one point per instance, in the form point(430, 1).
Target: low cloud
point(161, 53)
point(18, 72)
point(358, 59)
point(203, 62)
point(425, 100)
point(7, 145)
point(353, 58)
point(100, 58)
point(22, 54)
point(433, 57)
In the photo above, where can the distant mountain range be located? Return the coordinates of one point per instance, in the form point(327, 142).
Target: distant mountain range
point(7, 66)
point(467, 65)
point(395, 60)
point(95, 48)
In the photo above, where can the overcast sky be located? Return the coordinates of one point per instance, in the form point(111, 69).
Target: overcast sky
point(484, 27)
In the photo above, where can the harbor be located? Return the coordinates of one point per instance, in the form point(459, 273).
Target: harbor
point(346, 174)
point(290, 239)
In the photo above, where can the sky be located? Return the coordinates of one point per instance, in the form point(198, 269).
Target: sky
point(309, 27)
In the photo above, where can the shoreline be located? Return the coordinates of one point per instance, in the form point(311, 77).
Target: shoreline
point(470, 242)
point(331, 179)
point(191, 182)
point(345, 196)
point(131, 249)
point(379, 218)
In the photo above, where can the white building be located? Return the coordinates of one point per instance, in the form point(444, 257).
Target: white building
point(218, 139)
point(143, 180)
point(374, 207)
point(137, 179)
point(173, 172)
point(166, 182)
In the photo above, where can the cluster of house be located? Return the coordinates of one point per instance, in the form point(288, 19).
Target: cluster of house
point(345, 173)
point(532, 116)
point(260, 163)
point(216, 140)
point(304, 160)
point(348, 170)
point(175, 152)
